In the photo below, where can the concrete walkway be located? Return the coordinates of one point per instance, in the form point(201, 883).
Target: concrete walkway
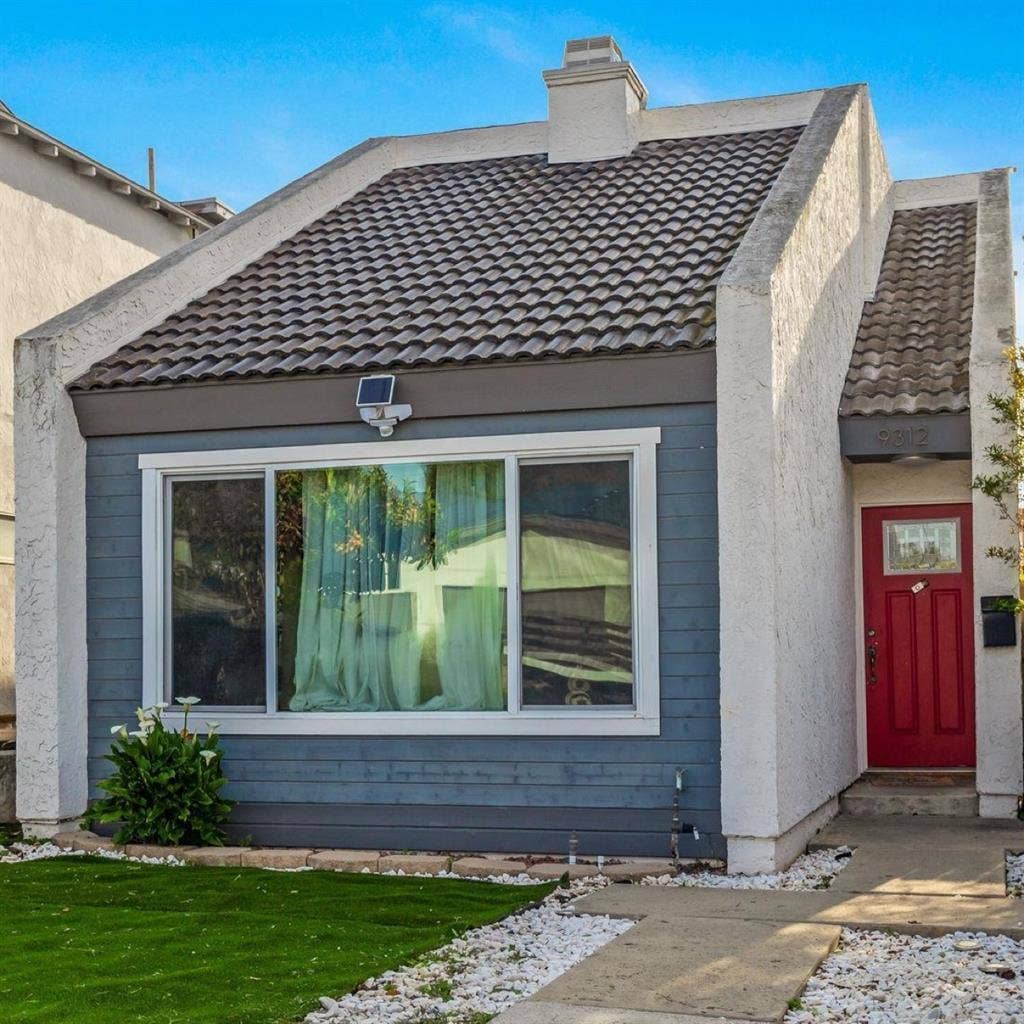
point(701, 956)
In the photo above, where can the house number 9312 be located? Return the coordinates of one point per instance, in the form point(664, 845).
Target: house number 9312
point(904, 437)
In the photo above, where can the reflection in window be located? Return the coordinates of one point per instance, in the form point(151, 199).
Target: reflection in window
point(922, 545)
point(216, 582)
point(576, 583)
point(391, 588)
point(6, 540)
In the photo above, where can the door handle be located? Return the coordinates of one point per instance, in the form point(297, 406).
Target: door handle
point(872, 653)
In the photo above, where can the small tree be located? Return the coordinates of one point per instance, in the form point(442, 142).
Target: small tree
point(1004, 485)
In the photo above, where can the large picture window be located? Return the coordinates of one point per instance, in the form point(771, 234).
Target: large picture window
point(506, 589)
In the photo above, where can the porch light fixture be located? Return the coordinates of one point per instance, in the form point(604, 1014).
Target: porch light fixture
point(374, 402)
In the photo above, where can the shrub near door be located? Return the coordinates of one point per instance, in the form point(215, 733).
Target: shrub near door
point(166, 787)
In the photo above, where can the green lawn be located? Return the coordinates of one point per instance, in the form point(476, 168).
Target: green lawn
point(89, 941)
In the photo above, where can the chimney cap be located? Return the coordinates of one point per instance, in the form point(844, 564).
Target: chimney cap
point(592, 50)
point(594, 59)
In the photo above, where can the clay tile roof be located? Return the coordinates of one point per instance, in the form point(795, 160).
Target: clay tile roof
point(484, 260)
point(913, 344)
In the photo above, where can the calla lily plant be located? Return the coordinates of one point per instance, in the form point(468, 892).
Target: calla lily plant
point(166, 783)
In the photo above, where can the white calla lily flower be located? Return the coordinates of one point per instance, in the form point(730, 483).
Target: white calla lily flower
point(187, 701)
point(115, 729)
point(207, 755)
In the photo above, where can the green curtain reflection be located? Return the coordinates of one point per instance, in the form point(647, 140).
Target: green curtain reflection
point(401, 604)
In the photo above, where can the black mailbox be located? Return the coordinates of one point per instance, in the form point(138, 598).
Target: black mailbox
point(999, 621)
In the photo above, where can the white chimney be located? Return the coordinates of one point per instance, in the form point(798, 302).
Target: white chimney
point(594, 103)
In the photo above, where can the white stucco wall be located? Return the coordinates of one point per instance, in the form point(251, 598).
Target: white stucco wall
point(63, 237)
point(788, 310)
point(998, 713)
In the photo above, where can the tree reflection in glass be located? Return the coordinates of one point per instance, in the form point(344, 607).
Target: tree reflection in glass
point(391, 587)
point(217, 592)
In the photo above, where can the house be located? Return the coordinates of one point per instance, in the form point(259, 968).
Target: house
point(484, 484)
point(68, 228)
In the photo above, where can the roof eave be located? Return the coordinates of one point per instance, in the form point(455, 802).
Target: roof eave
point(13, 126)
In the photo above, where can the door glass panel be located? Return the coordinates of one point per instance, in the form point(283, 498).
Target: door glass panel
point(6, 540)
point(576, 580)
point(921, 545)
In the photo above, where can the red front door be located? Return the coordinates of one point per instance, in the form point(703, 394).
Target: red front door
point(919, 636)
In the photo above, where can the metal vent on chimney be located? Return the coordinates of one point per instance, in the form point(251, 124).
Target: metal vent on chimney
point(595, 50)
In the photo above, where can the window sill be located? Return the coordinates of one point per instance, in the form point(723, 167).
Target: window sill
point(435, 723)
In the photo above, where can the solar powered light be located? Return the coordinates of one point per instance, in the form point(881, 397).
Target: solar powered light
point(374, 402)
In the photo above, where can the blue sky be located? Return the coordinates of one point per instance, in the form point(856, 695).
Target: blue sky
point(239, 99)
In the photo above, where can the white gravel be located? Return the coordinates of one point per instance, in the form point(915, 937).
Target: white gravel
point(809, 871)
point(491, 968)
point(1015, 874)
point(16, 853)
point(484, 972)
point(882, 978)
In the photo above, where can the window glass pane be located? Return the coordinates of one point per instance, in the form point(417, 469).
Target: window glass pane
point(6, 539)
point(391, 588)
point(922, 545)
point(217, 594)
point(577, 608)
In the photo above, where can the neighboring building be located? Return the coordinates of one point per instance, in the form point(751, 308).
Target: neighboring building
point(68, 227)
point(675, 377)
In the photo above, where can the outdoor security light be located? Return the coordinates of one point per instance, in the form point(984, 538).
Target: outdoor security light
point(374, 402)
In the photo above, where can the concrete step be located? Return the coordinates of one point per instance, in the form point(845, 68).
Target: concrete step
point(869, 799)
point(919, 777)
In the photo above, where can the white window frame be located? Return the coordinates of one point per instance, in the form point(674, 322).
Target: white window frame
point(638, 444)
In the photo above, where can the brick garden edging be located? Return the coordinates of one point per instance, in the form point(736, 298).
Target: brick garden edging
point(469, 866)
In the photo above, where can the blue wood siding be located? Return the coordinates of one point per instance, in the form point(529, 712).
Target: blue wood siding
point(451, 793)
